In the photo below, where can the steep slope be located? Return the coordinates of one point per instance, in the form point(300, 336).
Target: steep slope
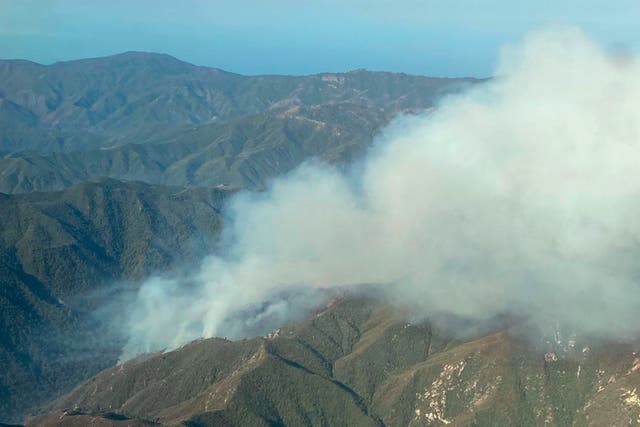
point(284, 379)
point(60, 253)
point(131, 97)
point(244, 152)
point(357, 362)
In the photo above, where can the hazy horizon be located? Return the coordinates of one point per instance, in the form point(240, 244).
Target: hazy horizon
point(234, 72)
point(452, 39)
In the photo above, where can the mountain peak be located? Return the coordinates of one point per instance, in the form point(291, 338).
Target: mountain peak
point(134, 55)
point(150, 60)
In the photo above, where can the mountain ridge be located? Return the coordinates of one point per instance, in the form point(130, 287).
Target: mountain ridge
point(244, 152)
point(141, 55)
point(358, 361)
point(130, 97)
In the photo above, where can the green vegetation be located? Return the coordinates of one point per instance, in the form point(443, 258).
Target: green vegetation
point(169, 142)
point(358, 362)
point(61, 253)
point(155, 119)
point(64, 123)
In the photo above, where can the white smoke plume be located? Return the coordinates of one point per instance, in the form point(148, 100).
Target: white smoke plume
point(522, 195)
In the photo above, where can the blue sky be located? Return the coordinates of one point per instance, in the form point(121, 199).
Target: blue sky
point(441, 38)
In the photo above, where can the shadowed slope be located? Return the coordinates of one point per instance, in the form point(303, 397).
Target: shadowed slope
point(60, 253)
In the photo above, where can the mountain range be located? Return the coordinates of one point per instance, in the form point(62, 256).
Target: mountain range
point(67, 122)
point(116, 168)
point(360, 362)
point(101, 102)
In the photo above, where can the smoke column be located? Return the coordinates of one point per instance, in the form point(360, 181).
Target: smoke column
point(522, 195)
